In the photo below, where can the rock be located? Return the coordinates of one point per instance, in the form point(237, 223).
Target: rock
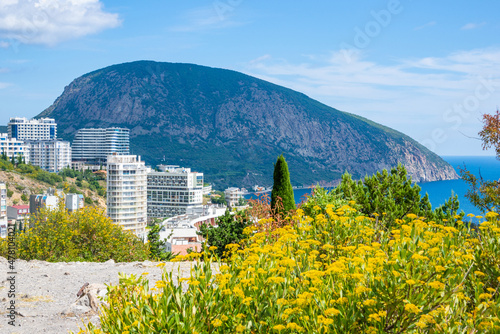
point(110, 261)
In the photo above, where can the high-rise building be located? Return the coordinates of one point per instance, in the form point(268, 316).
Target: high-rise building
point(126, 192)
point(50, 155)
point(94, 145)
point(12, 147)
point(22, 128)
point(173, 190)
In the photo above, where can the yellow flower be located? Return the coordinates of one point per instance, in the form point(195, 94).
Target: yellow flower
point(216, 322)
point(331, 312)
point(412, 308)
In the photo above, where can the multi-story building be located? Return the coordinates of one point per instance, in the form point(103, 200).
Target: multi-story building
point(18, 215)
point(50, 155)
point(173, 190)
point(12, 147)
point(22, 128)
point(233, 196)
point(49, 200)
point(126, 192)
point(3, 210)
point(74, 202)
point(94, 145)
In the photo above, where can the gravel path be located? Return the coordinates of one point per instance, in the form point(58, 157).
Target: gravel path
point(46, 291)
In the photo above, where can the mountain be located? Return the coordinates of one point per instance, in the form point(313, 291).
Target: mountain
point(232, 126)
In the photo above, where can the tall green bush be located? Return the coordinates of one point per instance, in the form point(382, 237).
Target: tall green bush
point(282, 199)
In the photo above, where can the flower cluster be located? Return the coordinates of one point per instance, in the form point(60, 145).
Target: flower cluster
point(331, 271)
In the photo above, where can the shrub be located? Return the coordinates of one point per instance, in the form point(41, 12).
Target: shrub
point(391, 195)
point(24, 198)
point(282, 198)
point(229, 230)
point(84, 235)
point(334, 270)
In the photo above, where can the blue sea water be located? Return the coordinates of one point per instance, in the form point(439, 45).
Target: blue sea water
point(440, 191)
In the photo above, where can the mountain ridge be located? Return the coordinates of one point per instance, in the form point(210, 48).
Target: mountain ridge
point(232, 126)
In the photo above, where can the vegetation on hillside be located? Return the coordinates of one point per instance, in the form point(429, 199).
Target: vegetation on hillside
point(330, 269)
point(84, 235)
point(67, 179)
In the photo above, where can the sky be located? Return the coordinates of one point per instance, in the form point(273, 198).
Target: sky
point(429, 69)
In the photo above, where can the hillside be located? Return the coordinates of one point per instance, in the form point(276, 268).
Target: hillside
point(232, 126)
point(21, 184)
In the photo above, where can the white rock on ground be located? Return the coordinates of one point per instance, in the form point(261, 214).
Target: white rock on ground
point(46, 293)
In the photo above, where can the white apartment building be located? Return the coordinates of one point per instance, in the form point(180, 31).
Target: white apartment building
point(94, 145)
point(126, 188)
point(12, 147)
point(3, 210)
point(173, 190)
point(22, 128)
point(50, 155)
point(233, 196)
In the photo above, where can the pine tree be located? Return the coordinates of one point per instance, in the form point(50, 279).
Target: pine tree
point(282, 199)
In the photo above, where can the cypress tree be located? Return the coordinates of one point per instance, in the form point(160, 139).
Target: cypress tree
point(282, 188)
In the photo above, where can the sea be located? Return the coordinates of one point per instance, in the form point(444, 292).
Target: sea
point(440, 191)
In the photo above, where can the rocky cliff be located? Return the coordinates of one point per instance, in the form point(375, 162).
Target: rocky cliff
point(233, 126)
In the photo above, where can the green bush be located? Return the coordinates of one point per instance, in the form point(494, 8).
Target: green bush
point(282, 199)
point(229, 230)
point(84, 235)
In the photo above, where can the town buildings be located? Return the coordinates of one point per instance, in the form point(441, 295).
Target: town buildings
point(94, 145)
point(233, 196)
point(173, 190)
point(22, 128)
point(49, 200)
point(36, 141)
point(50, 155)
point(18, 215)
point(12, 147)
point(181, 232)
point(127, 192)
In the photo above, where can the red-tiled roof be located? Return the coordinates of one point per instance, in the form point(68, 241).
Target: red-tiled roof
point(21, 206)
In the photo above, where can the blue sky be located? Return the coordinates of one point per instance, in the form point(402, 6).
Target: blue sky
point(429, 69)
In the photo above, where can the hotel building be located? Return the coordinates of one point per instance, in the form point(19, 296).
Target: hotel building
point(95, 145)
point(50, 155)
point(22, 128)
point(126, 193)
point(173, 190)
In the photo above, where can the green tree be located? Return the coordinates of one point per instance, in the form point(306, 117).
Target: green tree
point(229, 230)
point(282, 199)
point(485, 194)
point(392, 195)
point(157, 246)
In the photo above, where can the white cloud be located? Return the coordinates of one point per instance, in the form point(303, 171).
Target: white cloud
point(470, 26)
point(427, 25)
point(217, 16)
point(415, 96)
point(50, 22)
point(4, 44)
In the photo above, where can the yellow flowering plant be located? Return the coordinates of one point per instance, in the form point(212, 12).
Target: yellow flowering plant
point(84, 235)
point(332, 270)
